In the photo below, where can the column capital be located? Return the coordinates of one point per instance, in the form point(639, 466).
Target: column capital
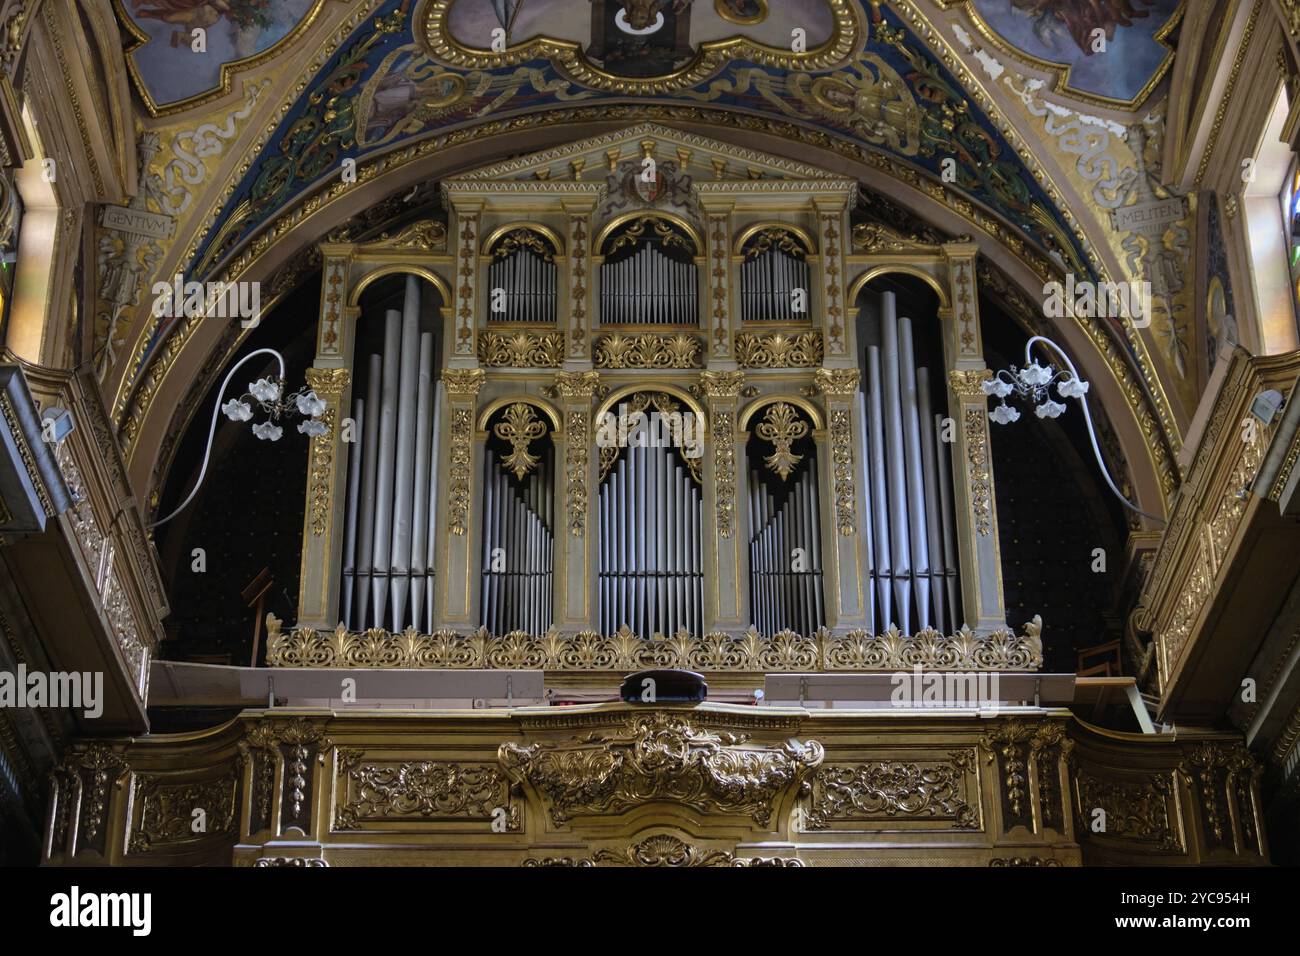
point(462, 383)
point(722, 384)
point(575, 385)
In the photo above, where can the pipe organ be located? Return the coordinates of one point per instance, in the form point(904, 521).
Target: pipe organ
point(910, 524)
point(775, 280)
point(823, 490)
point(651, 572)
point(649, 276)
point(389, 541)
point(785, 561)
point(518, 524)
point(521, 278)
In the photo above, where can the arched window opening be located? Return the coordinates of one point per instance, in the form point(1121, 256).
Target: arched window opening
point(649, 276)
point(910, 521)
point(651, 560)
point(518, 522)
point(775, 277)
point(785, 560)
point(389, 539)
point(522, 278)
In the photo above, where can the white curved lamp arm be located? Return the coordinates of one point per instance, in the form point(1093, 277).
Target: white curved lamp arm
point(212, 429)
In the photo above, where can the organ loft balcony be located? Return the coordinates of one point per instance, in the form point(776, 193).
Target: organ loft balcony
point(546, 428)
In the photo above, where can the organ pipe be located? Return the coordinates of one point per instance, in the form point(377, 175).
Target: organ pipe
point(768, 279)
point(391, 483)
point(518, 546)
point(909, 526)
point(650, 575)
point(528, 281)
point(648, 287)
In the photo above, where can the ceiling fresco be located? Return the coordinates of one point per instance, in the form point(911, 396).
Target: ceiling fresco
point(170, 71)
point(865, 85)
point(1063, 33)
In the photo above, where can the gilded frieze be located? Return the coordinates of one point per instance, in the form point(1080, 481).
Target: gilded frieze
point(174, 814)
point(576, 461)
point(624, 651)
point(656, 757)
point(846, 519)
point(779, 349)
point(521, 349)
point(421, 791)
point(892, 791)
point(676, 351)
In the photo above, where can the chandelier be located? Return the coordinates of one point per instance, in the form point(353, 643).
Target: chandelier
point(268, 397)
point(1034, 383)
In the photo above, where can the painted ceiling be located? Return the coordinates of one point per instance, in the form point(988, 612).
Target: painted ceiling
point(867, 80)
point(859, 78)
point(1111, 49)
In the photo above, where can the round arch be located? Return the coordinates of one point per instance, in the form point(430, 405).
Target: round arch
point(675, 391)
point(399, 268)
point(152, 412)
point(675, 219)
point(890, 268)
point(557, 429)
point(758, 404)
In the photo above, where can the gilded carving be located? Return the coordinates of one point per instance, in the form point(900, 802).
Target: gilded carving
point(465, 288)
point(722, 384)
point(579, 264)
point(521, 349)
point(832, 291)
point(661, 756)
point(321, 477)
point(577, 384)
point(420, 790)
point(168, 811)
point(625, 651)
point(893, 790)
point(980, 481)
point(521, 427)
point(724, 470)
point(720, 281)
point(675, 351)
point(842, 458)
point(300, 862)
point(968, 384)
point(1136, 808)
point(576, 460)
point(462, 433)
point(426, 235)
point(837, 381)
point(464, 381)
point(779, 349)
point(782, 427)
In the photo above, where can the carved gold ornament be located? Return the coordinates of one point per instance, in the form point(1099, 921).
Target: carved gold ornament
point(577, 384)
point(837, 381)
point(624, 651)
point(722, 384)
point(576, 458)
point(423, 790)
point(166, 811)
point(724, 470)
point(462, 433)
point(774, 237)
point(464, 382)
point(522, 238)
point(779, 349)
point(675, 351)
point(521, 427)
point(635, 231)
point(521, 349)
point(661, 756)
point(842, 460)
point(782, 426)
point(977, 461)
point(892, 790)
point(427, 235)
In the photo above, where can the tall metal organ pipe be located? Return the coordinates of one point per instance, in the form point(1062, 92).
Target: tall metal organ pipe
point(906, 472)
point(785, 550)
point(388, 561)
point(650, 577)
point(518, 545)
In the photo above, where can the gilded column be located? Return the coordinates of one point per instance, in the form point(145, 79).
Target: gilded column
point(716, 283)
point(726, 554)
point(579, 302)
point(577, 479)
point(457, 523)
point(322, 539)
point(843, 501)
point(834, 233)
point(972, 480)
point(962, 346)
point(461, 344)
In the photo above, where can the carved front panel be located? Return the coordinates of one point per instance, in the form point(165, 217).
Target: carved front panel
point(939, 792)
point(395, 794)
